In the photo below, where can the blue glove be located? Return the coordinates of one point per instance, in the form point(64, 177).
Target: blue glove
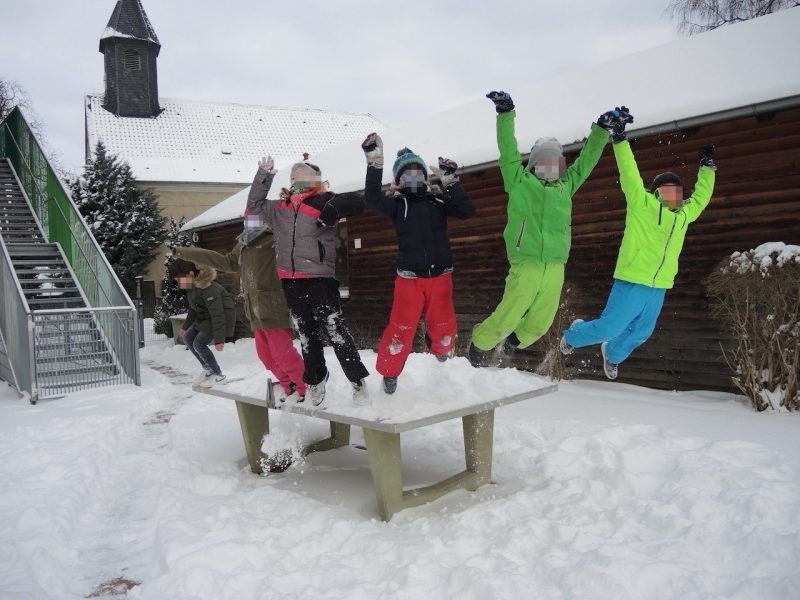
point(502, 101)
point(619, 118)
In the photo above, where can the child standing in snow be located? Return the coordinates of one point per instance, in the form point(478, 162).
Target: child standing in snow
point(538, 232)
point(304, 223)
point(253, 258)
point(211, 316)
point(424, 280)
point(655, 226)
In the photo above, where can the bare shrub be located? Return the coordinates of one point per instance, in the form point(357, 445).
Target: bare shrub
point(758, 293)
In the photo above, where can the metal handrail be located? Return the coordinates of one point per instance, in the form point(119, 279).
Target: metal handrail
point(90, 268)
point(66, 220)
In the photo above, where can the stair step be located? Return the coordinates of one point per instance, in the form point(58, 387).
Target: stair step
point(39, 280)
point(75, 301)
point(70, 291)
point(39, 272)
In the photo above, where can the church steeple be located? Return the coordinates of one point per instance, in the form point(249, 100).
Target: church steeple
point(131, 48)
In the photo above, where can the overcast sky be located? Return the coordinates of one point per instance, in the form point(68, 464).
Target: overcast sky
point(398, 61)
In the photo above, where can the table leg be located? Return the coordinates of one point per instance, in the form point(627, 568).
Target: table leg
point(383, 451)
point(254, 421)
point(478, 440)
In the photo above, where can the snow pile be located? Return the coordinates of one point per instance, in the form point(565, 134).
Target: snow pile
point(763, 258)
point(601, 491)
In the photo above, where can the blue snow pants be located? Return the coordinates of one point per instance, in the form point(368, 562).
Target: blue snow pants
point(628, 319)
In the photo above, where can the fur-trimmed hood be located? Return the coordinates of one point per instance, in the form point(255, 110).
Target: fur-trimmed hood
point(205, 277)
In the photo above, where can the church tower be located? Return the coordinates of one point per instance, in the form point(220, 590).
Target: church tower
point(131, 48)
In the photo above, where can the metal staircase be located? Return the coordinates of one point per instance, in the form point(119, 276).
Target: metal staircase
point(65, 322)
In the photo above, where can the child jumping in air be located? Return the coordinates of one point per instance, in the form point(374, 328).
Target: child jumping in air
point(538, 232)
point(211, 317)
point(424, 282)
point(304, 224)
point(656, 222)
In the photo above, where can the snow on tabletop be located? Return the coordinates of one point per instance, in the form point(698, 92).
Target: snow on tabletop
point(730, 67)
point(456, 387)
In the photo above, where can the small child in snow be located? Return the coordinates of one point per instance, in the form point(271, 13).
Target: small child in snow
point(211, 317)
point(655, 226)
point(538, 232)
point(304, 224)
point(424, 282)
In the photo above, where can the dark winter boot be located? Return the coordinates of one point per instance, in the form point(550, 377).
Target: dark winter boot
point(389, 384)
point(511, 343)
point(477, 357)
point(611, 369)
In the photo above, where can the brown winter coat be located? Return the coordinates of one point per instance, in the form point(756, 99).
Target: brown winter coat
point(264, 302)
point(211, 307)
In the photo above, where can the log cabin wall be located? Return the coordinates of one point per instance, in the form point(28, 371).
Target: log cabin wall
point(756, 200)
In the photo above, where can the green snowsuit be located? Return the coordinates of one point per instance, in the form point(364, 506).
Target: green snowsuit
point(654, 235)
point(537, 238)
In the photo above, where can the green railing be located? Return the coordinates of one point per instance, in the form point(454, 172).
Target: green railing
point(63, 223)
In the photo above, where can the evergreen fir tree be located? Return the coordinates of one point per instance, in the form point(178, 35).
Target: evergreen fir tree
point(173, 300)
point(126, 221)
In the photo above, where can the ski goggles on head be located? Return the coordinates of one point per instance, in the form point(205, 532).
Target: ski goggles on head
point(304, 176)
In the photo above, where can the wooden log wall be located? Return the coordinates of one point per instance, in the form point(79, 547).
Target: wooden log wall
point(756, 200)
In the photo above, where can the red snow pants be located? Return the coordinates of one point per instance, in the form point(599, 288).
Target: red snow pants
point(431, 296)
point(275, 349)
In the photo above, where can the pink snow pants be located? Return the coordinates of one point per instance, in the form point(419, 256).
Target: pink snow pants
point(275, 349)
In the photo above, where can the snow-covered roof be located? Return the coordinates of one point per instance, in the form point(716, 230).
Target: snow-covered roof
point(217, 142)
point(731, 67)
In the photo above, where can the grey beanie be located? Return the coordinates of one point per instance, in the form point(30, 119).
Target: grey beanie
point(546, 146)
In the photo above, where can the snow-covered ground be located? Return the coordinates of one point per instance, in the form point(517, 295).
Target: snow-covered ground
point(602, 490)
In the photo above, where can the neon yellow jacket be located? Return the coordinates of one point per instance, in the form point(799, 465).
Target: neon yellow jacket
point(654, 235)
point(539, 223)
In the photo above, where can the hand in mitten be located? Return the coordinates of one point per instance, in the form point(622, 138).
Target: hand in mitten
point(705, 153)
point(267, 165)
point(607, 120)
point(373, 150)
point(502, 101)
point(445, 172)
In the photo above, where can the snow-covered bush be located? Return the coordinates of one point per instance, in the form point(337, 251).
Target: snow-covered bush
point(173, 300)
point(758, 293)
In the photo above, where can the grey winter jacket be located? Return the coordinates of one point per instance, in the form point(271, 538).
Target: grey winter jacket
point(305, 234)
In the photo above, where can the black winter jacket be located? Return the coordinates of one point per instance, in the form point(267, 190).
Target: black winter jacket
point(420, 221)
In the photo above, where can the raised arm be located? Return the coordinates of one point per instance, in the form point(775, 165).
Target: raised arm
point(257, 203)
point(374, 196)
point(457, 202)
point(510, 162)
point(229, 263)
point(704, 187)
point(587, 159)
point(629, 178)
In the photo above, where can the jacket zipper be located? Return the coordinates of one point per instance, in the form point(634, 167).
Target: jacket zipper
point(521, 232)
point(666, 246)
point(294, 231)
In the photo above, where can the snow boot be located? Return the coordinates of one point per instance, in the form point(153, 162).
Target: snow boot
point(477, 358)
point(389, 384)
point(511, 343)
point(317, 391)
point(611, 369)
point(293, 397)
point(440, 357)
point(565, 347)
point(360, 397)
